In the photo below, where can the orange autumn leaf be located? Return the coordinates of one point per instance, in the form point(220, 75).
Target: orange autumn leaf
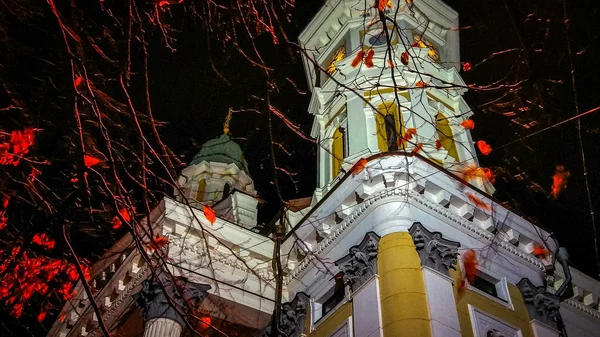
point(158, 242)
point(421, 84)
point(468, 124)
point(470, 263)
point(472, 172)
point(209, 213)
point(369, 58)
point(466, 66)
point(417, 148)
point(390, 63)
point(559, 181)
point(401, 142)
point(358, 58)
point(478, 202)
point(359, 166)
point(383, 4)
point(90, 161)
point(483, 147)
point(404, 58)
point(540, 252)
point(438, 144)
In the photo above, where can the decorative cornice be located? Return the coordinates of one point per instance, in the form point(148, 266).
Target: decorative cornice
point(419, 199)
point(540, 304)
point(435, 252)
point(293, 317)
point(582, 307)
point(361, 262)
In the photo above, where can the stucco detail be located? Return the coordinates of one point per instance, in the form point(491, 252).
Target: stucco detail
point(167, 297)
point(293, 317)
point(434, 251)
point(361, 262)
point(541, 305)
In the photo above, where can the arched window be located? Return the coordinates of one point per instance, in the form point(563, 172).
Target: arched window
point(389, 121)
point(445, 135)
point(337, 151)
point(201, 190)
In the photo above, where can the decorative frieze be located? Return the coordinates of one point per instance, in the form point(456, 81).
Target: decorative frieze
point(292, 319)
point(541, 305)
point(435, 252)
point(361, 262)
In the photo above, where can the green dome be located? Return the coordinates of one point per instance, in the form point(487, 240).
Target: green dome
point(222, 150)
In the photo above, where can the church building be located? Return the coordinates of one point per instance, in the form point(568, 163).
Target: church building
point(401, 238)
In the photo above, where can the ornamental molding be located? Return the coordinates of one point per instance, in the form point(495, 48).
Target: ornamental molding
point(434, 251)
point(360, 264)
point(292, 321)
point(541, 305)
point(415, 197)
point(167, 296)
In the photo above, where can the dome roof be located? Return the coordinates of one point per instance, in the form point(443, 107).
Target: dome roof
point(222, 150)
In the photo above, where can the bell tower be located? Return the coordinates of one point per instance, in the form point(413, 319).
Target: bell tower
point(384, 87)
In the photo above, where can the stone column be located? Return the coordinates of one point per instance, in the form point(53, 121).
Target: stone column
point(161, 302)
point(438, 256)
point(543, 308)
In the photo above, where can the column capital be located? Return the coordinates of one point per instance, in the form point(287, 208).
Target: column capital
point(154, 302)
point(541, 305)
point(361, 262)
point(293, 317)
point(434, 251)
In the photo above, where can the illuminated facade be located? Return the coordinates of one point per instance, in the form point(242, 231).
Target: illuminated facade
point(378, 250)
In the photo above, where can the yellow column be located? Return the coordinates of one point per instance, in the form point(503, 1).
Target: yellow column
point(402, 288)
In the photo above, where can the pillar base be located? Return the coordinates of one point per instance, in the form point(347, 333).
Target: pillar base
point(162, 327)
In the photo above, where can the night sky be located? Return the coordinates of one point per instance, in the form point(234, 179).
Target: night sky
point(194, 101)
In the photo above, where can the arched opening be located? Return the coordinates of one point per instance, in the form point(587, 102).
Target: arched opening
point(201, 190)
point(390, 125)
point(445, 135)
point(337, 151)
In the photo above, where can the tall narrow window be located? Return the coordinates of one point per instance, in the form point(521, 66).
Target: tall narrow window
point(201, 190)
point(390, 125)
point(337, 150)
point(445, 135)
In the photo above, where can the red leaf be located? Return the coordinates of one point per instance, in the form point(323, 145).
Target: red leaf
point(404, 58)
point(41, 316)
point(438, 144)
point(421, 84)
point(205, 323)
point(358, 58)
point(466, 66)
point(559, 181)
point(468, 124)
point(78, 81)
point(369, 58)
point(390, 63)
point(483, 147)
point(489, 174)
point(478, 202)
point(209, 213)
point(158, 242)
point(540, 252)
point(90, 161)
